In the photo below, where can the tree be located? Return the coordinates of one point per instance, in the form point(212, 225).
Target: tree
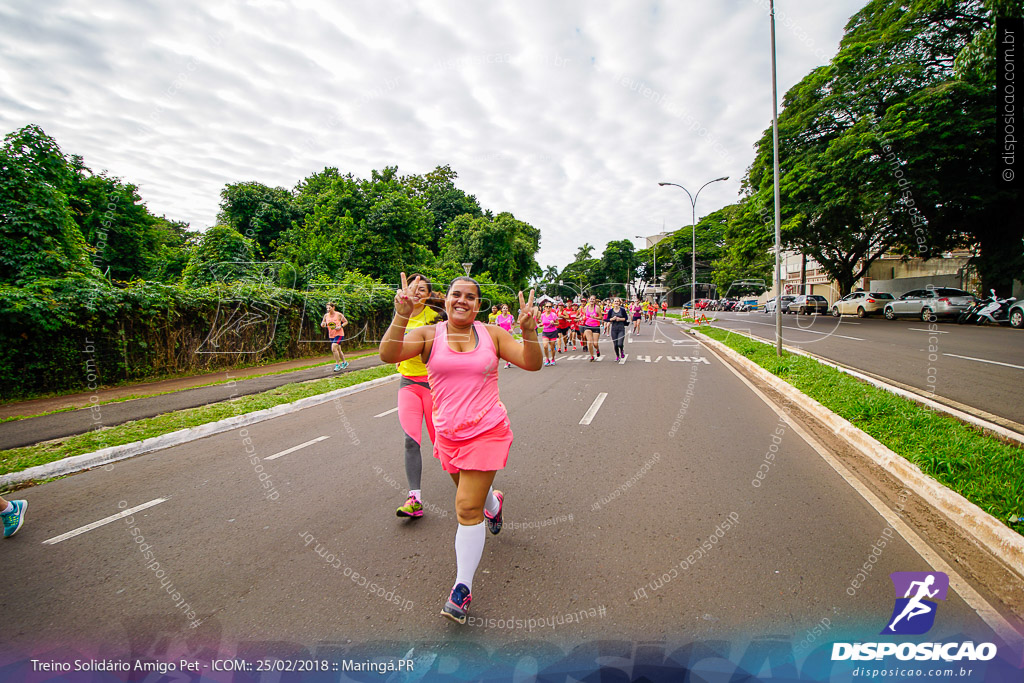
point(110, 215)
point(257, 211)
point(843, 200)
point(745, 256)
point(443, 199)
point(584, 252)
point(222, 255)
point(174, 246)
point(579, 277)
point(617, 264)
point(372, 226)
point(503, 246)
point(944, 140)
point(38, 234)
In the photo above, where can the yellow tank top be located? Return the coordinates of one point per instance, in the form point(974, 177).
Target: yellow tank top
point(415, 367)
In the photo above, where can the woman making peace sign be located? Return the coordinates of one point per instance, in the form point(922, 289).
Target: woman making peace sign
point(473, 435)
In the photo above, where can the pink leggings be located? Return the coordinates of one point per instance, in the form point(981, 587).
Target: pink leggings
point(414, 406)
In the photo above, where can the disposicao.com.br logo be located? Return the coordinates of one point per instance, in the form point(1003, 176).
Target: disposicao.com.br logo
point(914, 613)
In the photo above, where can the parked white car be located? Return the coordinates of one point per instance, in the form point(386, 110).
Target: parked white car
point(861, 304)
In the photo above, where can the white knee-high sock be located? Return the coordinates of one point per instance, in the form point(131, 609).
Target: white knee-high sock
point(491, 503)
point(469, 548)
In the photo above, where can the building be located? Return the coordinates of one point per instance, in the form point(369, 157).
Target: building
point(889, 273)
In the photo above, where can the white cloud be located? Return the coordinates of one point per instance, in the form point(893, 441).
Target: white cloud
point(566, 114)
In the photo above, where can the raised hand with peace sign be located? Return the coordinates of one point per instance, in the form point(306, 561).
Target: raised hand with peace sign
point(528, 314)
point(408, 297)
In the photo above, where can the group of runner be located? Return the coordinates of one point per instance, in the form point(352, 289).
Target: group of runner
point(565, 325)
point(448, 362)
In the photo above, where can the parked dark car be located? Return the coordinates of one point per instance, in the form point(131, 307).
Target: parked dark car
point(806, 304)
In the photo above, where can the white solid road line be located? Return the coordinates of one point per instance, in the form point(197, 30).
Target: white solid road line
point(295, 448)
point(387, 412)
point(594, 407)
point(982, 360)
point(921, 329)
point(801, 329)
point(105, 520)
point(988, 614)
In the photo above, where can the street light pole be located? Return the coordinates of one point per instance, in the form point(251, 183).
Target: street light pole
point(778, 210)
point(693, 231)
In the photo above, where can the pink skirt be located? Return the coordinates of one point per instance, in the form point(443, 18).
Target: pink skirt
point(487, 452)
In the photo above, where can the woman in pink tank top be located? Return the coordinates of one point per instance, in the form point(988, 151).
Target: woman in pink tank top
point(472, 431)
point(593, 315)
point(505, 321)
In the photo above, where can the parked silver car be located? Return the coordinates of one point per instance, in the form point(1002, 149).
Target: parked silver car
point(1017, 315)
point(930, 303)
point(806, 304)
point(769, 306)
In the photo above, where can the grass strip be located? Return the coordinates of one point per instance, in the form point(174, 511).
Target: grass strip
point(132, 397)
point(983, 469)
point(17, 459)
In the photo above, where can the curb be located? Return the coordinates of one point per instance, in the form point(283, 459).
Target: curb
point(77, 463)
point(999, 539)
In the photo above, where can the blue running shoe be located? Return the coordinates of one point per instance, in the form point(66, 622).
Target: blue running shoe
point(494, 523)
point(457, 604)
point(15, 518)
point(344, 365)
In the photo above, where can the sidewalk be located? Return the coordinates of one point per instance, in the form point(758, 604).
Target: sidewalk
point(38, 406)
point(183, 393)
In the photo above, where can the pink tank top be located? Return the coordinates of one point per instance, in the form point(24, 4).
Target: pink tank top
point(464, 386)
point(505, 322)
point(590, 315)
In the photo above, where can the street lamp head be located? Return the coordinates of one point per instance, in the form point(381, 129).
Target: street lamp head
point(663, 184)
point(725, 177)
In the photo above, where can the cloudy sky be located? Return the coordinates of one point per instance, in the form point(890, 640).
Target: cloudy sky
point(567, 114)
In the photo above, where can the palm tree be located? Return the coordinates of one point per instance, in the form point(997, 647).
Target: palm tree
point(583, 253)
point(545, 280)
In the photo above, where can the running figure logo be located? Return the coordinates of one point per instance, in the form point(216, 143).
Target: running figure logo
point(914, 613)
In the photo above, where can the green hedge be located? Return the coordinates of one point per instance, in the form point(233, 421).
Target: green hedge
point(77, 334)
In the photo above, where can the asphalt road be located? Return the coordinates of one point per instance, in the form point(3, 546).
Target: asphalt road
point(606, 519)
point(977, 367)
point(27, 431)
point(981, 367)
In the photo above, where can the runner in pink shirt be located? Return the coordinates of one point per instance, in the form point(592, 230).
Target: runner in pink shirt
point(505, 321)
point(593, 314)
point(549, 321)
point(473, 434)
